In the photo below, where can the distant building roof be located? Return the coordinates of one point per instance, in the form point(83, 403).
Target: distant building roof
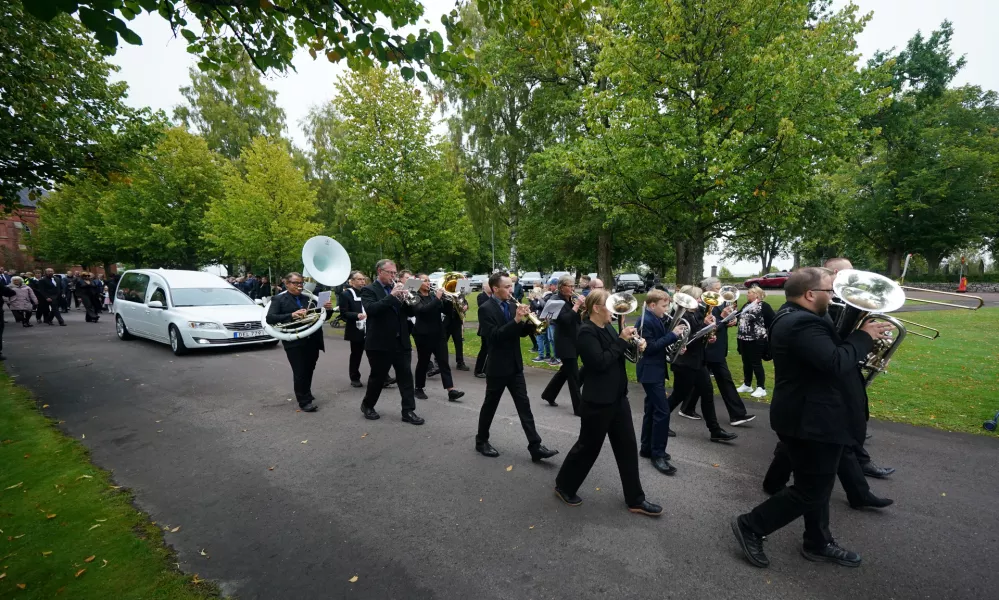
point(24, 197)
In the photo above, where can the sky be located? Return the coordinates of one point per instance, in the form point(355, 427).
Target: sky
point(157, 69)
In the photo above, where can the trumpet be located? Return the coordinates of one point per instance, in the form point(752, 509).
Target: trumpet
point(539, 325)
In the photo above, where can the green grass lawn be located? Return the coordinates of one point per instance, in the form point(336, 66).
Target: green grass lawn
point(949, 383)
point(65, 530)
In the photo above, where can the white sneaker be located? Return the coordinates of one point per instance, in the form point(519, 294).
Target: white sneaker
point(742, 389)
point(759, 393)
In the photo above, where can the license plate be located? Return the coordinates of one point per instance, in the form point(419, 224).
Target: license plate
point(248, 334)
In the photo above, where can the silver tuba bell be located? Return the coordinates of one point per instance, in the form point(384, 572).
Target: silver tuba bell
point(326, 263)
point(681, 304)
point(619, 305)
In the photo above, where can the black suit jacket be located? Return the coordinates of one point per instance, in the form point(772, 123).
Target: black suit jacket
point(428, 316)
point(280, 310)
point(451, 318)
point(350, 310)
point(602, 351)
point(503, 338)
point(387, 329)
point(819, 392)
point(50, 288)
point(480, 300)
point(566, 330)
point(6, 292)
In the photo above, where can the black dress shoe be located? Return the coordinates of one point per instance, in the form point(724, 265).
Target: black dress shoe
point(872, 470)
point(831, 552)
point(663, 466)
point(671, 433)
point(433, 372)
point(645, 453)
point(872, 501)
point(356, 384)
point(723, 436)
point(480, 375)
point(647, 508)
point(570, 499)
point(421, 394)
point(541, 453)
point(550, 402)
point(486, 449)
point(310, 407)
point(461, 367)
point(409, 416)
point(453, 395)
point(751, 544)
point(389, 382)
point(370, 413)
point(61, 324)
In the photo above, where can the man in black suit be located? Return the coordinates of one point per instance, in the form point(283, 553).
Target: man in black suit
point(566, 329)
point(386, 341)
point(480, 360)
point(302, 353)
point(428, 331)
point(50, 291)
point(354, 318)
point(815, 411)
point(502, 324)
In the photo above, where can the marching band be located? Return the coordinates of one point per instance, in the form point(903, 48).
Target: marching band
point(827, 342)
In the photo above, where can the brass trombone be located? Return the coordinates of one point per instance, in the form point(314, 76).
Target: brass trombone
point(936, 333)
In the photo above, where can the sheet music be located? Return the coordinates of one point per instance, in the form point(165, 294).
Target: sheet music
point(551, 310)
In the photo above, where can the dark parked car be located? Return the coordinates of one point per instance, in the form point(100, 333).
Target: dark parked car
point(770, 281)
point(629, 282)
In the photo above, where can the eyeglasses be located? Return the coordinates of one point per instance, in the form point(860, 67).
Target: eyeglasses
point(817, 290)
point(393, 273)
point(296, 283)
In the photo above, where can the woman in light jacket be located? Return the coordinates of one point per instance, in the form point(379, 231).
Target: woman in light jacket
point(23, 303)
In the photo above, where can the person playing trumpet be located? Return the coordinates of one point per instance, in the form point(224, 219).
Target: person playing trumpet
point(651, 373)
point(566, 329)
point(604, 410)
point(303, 354)
point(430, 341)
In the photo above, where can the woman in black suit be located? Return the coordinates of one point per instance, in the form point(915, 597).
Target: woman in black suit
point(604, 410)
point(690, 372)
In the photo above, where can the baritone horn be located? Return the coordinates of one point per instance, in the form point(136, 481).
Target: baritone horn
point(453, 285)
point(619, 305)
point(682, 303)
point(325, 262)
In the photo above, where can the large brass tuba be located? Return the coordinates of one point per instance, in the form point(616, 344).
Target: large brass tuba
point(861, 296)
point(326, 263)
point(452, 285)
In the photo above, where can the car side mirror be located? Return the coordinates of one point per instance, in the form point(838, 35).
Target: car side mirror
point(155, 304)
point(258, 302)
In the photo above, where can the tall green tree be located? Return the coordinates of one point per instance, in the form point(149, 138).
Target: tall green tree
point(266, 215)
point(230, 107)
point(71, 228)
point(402, 192)
point(156, 215)
point(705, 108)
point(58, 112)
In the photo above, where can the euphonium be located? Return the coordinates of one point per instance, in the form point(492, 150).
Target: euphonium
point(619, 305)
point(681, 304)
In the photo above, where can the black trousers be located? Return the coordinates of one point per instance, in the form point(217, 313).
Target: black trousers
point(22, 316)
point(76, 298)
point(851, 474)
point(90, 305)
point(752, 362)
point(814, 465)
point(455, 332)
point(568, 373)
point(64, 301)
point(50, 310)
point(436, 346)
point(303, 360)
point(695, 384)
point(726, 387)
point(380, 361)
point(518, 391)
point(599, 421)
point(354, 365)
point(480, 360)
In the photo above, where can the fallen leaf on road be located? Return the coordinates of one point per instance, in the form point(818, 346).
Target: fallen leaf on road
point(203, 553)
point(364, 436)
point(46, 553)
point(510, 468)
point(353, 579)
point(159, 431)
point(50, 516)
point(175, 529)
point(531, 527)
point(598, 489)
point(83, 437)
point(251, 414)
point(22, 585)
point(244, 431)
point(196, 579)
point(80, 572)
point(715, 464)
point(944, 494)
point(160, 421)
point(480, 499)
point(298, 410)
point(90, 558)
point(305, 441)
point(94, 527)
point(271, 468)
point(16, 485)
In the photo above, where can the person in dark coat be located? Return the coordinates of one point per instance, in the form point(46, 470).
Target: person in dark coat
point(604, 410)
point(816, 411)
point(480, 360)
point(428, 332)
point(386, 341)
point(88, 292)
point(5, 292)
point(651, 373)
point(502, 324)
point(566, 329)
point(454, 329)
point(690, 373)
point(302, 353)
point(354, 317)
point(49, 293)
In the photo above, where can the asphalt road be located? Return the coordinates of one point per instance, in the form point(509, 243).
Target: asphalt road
point(414, 512)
